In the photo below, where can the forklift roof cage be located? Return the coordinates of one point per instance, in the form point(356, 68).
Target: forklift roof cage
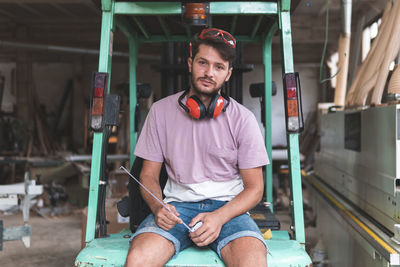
point(132, 18)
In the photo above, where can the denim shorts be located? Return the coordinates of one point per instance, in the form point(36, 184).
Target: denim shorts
point(240, 226)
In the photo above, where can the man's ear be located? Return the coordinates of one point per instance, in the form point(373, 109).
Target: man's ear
point(229, 74)
point(189, 61)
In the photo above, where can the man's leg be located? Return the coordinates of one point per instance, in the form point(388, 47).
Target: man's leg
point(149, 249)
point(244, 251)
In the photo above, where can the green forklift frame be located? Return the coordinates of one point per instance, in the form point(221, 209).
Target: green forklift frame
point(280, 11)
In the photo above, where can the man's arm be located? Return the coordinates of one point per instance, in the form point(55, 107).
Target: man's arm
point(243, 202)
point(149, 177)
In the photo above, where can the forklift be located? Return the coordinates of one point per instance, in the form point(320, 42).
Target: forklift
point(249, 22)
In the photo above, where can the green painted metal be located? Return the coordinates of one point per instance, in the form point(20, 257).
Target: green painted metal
point(247, 8)
point(280, 235)
point(256, 26)
point(285, 5)
point(233, 26)
point(148, 8)
point(195, 256)
point(123, 24)
point(267, 60)
point(287, 253)
point(106, 5)
point(216, 8)
point(296, 191)
point(130, 33)
point(105, 57)
point(186, 38)
point(109, 251)
point(142, 27)
point(164, 26)
point(112, 251)
point(292, 139)
point(188, 33)
point(286, 40)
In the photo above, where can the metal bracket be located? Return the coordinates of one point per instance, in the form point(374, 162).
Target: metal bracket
point(17, 233)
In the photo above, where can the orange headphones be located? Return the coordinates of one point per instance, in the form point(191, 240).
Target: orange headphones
point(198, 110)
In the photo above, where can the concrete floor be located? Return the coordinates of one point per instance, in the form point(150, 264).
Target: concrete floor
point(55, 241)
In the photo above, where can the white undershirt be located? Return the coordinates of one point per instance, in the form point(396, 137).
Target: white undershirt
point(224, 191)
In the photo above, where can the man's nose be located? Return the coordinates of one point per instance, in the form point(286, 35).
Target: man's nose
point(208, 71)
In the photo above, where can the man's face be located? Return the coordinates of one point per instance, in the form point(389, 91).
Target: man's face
point(209, 71)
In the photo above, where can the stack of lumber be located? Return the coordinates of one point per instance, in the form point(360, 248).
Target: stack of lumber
point(371, 77)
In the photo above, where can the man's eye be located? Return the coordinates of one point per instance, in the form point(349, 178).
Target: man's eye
point(220, 67)
point(202, 62)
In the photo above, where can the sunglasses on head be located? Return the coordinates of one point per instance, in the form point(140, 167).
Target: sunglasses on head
point(213, 33)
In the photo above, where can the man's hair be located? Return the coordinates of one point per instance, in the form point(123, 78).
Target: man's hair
point(227, 52)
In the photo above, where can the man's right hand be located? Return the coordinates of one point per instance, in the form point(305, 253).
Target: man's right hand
point(164, 219)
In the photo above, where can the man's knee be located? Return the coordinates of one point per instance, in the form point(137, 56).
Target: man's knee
point(245, 251)
point(149, 250)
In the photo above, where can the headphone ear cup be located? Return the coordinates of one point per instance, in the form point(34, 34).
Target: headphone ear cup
point(216, 106)
point(196, 108)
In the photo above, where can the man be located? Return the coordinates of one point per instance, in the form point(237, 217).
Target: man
point(214, 152)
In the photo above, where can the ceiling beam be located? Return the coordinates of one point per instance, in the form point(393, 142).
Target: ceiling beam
point(62, 10)
point(93, 7)
point(8, 15)
point(44, 1)
point(30, 9)
point(53, 21)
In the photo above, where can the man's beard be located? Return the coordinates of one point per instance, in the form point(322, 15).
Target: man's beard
point(199, 92)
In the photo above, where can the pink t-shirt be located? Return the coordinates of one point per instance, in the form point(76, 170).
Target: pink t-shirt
point(196, 151)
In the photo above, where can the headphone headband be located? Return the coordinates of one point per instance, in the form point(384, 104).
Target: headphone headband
point(180, 101)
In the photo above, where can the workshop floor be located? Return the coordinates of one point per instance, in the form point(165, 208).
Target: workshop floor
point(55, 241)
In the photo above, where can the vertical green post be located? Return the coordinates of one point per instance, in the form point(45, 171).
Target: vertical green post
point(267, 60)
point(133, 60)
point(292, 139)
point(104, 66)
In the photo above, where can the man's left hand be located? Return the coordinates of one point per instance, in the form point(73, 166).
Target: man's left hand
point(209, 231)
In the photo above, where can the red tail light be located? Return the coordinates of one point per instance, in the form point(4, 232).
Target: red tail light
point(294, 110)
point(99, 89)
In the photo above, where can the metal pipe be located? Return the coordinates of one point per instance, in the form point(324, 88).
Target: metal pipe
point(57, 48)
point(256, 26)
point(233, 25)
point(141, 26)
point(346, 6)
point(115, 157)
point(71, 50)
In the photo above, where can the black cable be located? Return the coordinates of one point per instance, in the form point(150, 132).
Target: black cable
point(103, 185)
